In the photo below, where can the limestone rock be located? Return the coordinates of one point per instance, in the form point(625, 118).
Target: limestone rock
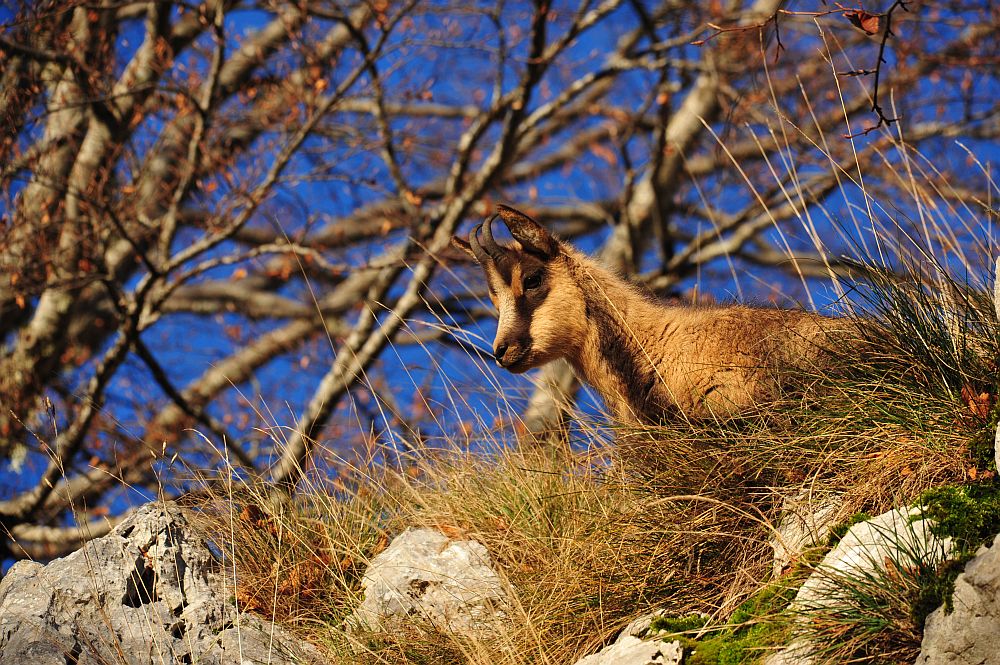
point(971, 633)
point(806, 520)
point(996, 449)
point(427, 576)
point(996, 307)
point(862, 551)
point(865, 548)
point(796, 653)
point(145, 593)
point(639, 627)
point(629, 650)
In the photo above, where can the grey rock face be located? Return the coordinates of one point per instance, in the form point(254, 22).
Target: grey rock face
point(971, 633)
point(996, 307)
point(629, 650)
point(640, 626)
point(425, 575)
point(145, 593)
point(797, 653)
point(865, 548)
point(806, 520)
point(863, 551)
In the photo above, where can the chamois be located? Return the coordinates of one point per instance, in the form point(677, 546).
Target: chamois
point(649, 360)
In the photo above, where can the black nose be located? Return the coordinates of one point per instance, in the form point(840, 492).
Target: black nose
point(499, 353)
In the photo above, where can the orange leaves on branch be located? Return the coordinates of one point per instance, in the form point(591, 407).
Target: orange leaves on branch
point(182, 103)
point(282, 269)
point(863, 20)
point(413, 197)
point(381, 8)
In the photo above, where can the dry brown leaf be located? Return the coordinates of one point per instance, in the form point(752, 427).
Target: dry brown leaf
point(605, 153)
point(861, 19)
point(979, 403)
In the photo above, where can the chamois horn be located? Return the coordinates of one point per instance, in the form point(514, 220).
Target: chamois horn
point(489, 249)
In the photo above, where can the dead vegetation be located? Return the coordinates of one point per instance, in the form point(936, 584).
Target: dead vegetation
point(673, 517)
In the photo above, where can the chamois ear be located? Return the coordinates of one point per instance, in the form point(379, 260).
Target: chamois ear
point(533, 236)
point(463, 244)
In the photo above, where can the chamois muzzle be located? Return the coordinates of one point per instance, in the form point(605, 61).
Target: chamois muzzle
point(511, 356)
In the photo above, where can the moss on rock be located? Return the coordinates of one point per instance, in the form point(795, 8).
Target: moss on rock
point(755, 627)
point(970, 516)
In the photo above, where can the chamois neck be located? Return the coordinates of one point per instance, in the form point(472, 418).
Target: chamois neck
point(611, 300)
point(614, 358)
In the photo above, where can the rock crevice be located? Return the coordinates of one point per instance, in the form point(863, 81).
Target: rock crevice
point(148, 592)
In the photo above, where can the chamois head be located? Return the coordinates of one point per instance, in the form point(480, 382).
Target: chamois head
point(541, 312)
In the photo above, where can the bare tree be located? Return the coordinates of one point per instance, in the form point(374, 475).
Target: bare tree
point(218, 208)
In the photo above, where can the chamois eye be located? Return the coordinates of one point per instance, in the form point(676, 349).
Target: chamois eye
point(532, 281)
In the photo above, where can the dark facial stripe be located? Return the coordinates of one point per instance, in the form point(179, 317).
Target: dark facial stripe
point(625, 359)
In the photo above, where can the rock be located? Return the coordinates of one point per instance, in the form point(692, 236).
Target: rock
point(145, 593)
point(806, 520)
point(996, 307)
point(796, 653)
point(996, 449)
point(639, 627)
point(629, 650)
point(863, 551)
point(971, 632)
point(450, 584)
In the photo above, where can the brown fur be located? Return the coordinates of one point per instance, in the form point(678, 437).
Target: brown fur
point(649, 360)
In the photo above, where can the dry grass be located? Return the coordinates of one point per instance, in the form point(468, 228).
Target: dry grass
point(675, 517)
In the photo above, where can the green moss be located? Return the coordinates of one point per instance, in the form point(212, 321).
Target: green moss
point(970, 516)
point(769, 601)
point(754, 627)
point(738, 647)
point(682, 624)
point(937, 591)
point(981, 448)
